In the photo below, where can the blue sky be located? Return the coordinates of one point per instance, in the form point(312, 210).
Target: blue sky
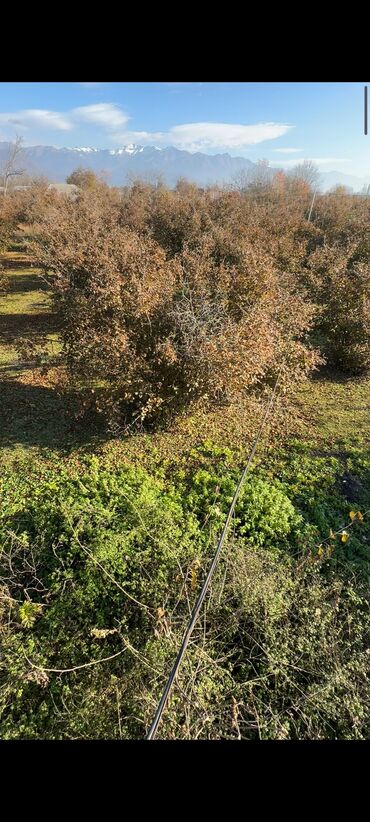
point(282, 122)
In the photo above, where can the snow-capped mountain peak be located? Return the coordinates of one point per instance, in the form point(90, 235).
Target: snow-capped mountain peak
point(85, 149)
point(131, 148)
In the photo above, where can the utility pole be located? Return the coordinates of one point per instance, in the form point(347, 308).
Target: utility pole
point(313, 200)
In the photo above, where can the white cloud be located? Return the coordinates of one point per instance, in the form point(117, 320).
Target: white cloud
point(208, 136)
point(287, 150)
point(37, 118)
point(203, 136)
point(108, 115)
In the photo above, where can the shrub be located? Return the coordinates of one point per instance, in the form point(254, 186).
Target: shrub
point(340, 278)
point(83, 178)
point(156, 320)
point(7, 222)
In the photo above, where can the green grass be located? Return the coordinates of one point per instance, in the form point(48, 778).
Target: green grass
point(31, 411)
point(24, 311)
point(25, 302)
point(8, 355)
point(335, 410)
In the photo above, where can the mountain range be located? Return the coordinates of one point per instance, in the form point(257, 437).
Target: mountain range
point(148, 162)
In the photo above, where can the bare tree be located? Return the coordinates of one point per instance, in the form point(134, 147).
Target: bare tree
point(308, 173)
point(241, 180)
point(154, 179)
point(255, 180)
point(9, 167)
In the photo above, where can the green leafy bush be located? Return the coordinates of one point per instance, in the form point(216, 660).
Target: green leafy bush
point(263, 515)
point(101, 564)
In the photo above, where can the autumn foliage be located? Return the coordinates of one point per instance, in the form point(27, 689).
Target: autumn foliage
point(338, 277)
point(168, 298)
point(164, 303)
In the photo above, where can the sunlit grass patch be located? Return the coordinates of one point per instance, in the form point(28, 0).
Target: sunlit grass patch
point(334, 410)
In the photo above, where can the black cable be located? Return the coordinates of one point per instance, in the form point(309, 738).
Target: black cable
point(195, 613)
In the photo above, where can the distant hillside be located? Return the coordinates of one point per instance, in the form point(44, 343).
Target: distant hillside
point(337, 178)
point(131, 160)
point(121, 164)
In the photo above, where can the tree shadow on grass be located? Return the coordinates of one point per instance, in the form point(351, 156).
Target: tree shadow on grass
point(34, 415)
point(328, 374)
point(15, 264)
point(21, 284)
point(13, 326)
